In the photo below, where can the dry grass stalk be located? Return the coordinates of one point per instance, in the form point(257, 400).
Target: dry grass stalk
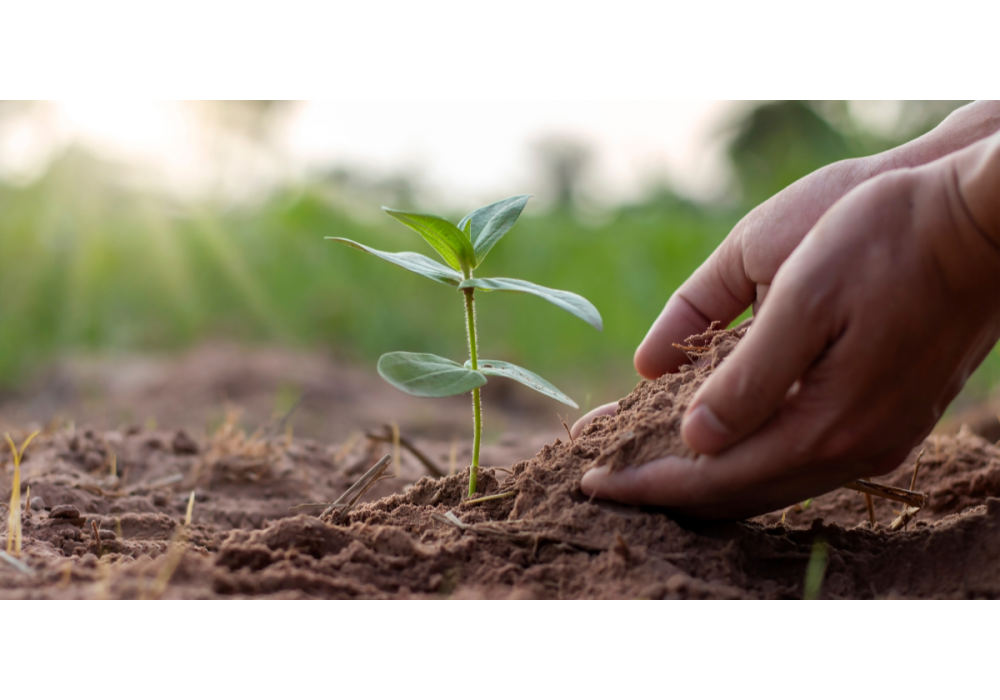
point(16, 564)
point(14, 522)
point(494, 497)
point(566, 426)
point(398, 440)
point(347, 502)
point(172, 560)
point(870, 504)
point(891, 493)
point(97, 536)
point(350, 497)
point(234, 456)
point(190, 510)
point(906, 514)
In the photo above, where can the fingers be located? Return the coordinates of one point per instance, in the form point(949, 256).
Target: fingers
point(719, 290)
point(688, 487)
point(607, 409)
point(758, 476)
point(749, 386)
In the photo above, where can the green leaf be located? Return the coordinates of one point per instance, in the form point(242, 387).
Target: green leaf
point(446, 238)
point(574, 303)
point(488, 224)
point(496, 368)
point(423, 374)
point(414, 262)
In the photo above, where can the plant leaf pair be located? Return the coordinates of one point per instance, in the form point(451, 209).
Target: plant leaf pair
point(424, 374)
point(487, 225)
point(464, 247)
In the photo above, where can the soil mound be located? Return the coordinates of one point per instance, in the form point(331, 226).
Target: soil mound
point(93, 533)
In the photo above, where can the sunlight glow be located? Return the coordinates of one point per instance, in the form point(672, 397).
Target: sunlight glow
point(460, 152)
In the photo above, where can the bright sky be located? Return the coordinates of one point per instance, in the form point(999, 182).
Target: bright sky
point(463, 152)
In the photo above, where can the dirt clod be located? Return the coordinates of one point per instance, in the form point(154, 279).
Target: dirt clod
point(64, 512)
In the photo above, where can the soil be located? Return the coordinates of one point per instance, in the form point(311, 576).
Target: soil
point(108, 507)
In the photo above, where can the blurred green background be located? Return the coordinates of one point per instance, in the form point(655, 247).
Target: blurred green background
point(91, 263)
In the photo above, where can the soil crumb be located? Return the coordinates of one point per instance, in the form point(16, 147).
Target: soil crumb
point(108, 515)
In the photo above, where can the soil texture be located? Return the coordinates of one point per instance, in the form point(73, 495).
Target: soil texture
point(107, 510)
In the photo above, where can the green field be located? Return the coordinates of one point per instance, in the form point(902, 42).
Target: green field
point(89, 264)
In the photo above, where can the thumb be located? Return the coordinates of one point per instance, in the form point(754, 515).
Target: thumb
point(752, 383)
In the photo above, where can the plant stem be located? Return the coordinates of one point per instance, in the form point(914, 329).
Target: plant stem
point(470, 317)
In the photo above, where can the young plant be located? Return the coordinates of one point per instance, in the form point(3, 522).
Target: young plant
point(463, 248)
point(14, 523)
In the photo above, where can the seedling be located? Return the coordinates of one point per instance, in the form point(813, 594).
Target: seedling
point(463, 248)
point(14, 527)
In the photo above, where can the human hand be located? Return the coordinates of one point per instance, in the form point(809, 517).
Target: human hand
point(895, 287)
point(739, 272)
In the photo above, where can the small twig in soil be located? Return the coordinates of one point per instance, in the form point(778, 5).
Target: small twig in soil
point(891, 493)
point(360, 487)
point(97, 536)
point(416, 452)
point(903, 518)
point(351, 496)
point(190, 510)
point(494, 497)
point(17, 564)
point(568, 431)
point(871, 509)
point(159, 483)
point(907, 513)
point(916, 470)
point(522, 537)
point(27, 501)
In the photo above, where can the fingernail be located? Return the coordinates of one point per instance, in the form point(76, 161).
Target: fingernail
point(590, 480)
point(703, 428)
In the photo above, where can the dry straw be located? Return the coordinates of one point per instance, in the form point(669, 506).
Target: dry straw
point(14, 522)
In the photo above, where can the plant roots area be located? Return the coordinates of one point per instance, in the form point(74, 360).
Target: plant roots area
point(111, 513)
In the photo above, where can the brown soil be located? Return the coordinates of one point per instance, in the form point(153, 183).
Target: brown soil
point(94, 534)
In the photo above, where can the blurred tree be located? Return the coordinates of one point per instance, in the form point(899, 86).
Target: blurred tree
point(779, 142)
point(564, 163)
point(776, 143)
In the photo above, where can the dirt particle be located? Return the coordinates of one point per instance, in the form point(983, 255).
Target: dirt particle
point(64, 512)
point(183, 444)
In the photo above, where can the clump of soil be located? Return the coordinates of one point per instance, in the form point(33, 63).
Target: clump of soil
point(93, 534)
point(648, 423)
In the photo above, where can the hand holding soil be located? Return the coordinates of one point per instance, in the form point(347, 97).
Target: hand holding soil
point(883, 294)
